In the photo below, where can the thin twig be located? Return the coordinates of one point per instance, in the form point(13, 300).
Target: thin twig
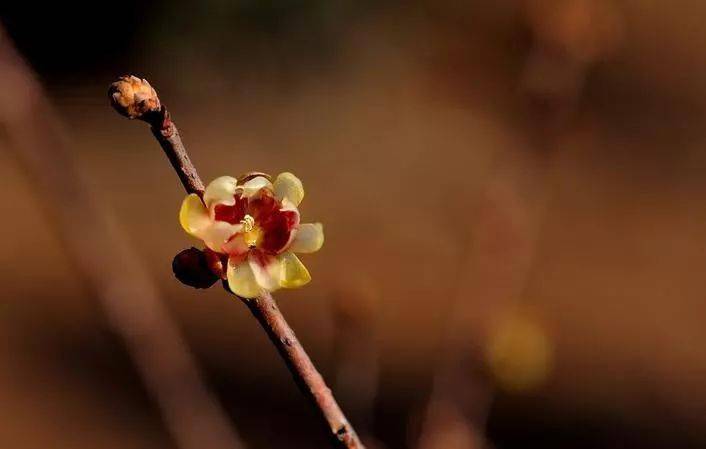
point(168, 137)
point(303, 370)
point(109, 264)
point(136, 99)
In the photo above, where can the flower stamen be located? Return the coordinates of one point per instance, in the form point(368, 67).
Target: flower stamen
point(251, 234)
point(248, 223)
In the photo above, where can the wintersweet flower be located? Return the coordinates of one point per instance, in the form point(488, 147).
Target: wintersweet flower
point(251, 227)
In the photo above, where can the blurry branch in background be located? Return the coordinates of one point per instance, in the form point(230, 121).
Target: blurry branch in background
point(136, 99)
point(108, 263)
point(356, 354)
point(569, 38)
point(489, 277)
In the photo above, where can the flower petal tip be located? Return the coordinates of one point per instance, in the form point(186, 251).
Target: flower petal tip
point(193, 215)
point(308, 239)
point(294, 273)
point(241, 280)
point(220, 191)
point(288, 186)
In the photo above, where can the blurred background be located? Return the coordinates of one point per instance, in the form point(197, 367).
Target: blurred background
point(513, 199)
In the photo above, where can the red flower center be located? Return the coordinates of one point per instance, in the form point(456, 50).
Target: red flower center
point(273, 225)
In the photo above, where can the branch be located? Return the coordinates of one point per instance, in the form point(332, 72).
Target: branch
point(136, 99)
point(108, 263)
point(303, 370)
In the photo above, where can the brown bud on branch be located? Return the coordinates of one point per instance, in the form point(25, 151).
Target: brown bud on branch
point(191, 267)
point(133, 97)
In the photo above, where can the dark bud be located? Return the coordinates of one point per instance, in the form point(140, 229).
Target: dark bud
point(191, 267)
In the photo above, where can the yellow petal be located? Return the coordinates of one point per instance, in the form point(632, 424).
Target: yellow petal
point(241, 280)
point(294, 273)
point(289, 186)
point(193, 215)
point(220, 191)
point(218, 233)
point(308, 239)
point(254, 185)
point(269, 275)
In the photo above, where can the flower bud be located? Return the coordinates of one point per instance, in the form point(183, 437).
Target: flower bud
point(192, 267)
point(133, 97)
point(216, 262)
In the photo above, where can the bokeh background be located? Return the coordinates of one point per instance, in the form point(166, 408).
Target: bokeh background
point(513, 199)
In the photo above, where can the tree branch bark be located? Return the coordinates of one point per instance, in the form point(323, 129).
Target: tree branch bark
point(310, 382)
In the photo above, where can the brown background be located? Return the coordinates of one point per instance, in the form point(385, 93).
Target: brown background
point(540, 160)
